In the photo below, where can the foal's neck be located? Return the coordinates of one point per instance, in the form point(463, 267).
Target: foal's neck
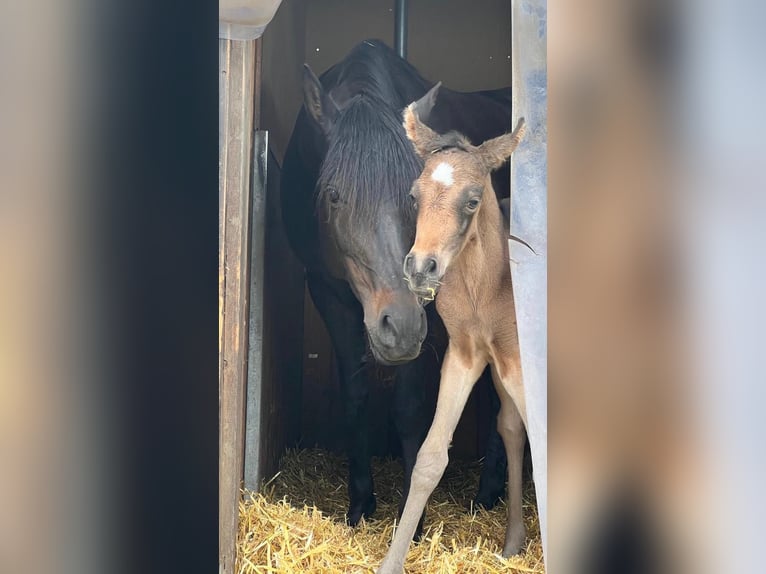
point(482, 266)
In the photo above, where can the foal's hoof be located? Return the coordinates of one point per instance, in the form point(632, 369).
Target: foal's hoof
point(515, 541)
point(358, 509)
point(390, 566)
point(386, 570)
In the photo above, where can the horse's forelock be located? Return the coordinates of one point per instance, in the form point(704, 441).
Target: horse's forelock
point(369, 159)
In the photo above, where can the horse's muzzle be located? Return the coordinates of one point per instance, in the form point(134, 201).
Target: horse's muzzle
point(398, 333)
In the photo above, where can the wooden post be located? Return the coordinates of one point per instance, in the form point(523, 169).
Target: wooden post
point(236, 100)
point(257, 83)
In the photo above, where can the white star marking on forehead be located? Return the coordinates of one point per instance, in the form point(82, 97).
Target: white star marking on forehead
point(443, 173)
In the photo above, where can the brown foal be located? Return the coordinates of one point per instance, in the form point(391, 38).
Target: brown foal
point(461, 253)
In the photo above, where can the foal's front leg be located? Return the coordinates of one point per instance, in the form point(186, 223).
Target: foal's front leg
point(459, 373)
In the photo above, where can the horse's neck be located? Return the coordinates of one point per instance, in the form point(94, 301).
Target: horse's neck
point(482, 265)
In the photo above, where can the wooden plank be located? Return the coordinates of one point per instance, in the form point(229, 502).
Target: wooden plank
point(236, 67)
point(283, 334)
point(257, 83)
point(322, 412)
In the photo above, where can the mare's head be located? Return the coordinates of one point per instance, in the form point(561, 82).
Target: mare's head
point(449, 194)
point(367, 221)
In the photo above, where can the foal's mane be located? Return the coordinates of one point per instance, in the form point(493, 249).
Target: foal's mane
point(369, 156)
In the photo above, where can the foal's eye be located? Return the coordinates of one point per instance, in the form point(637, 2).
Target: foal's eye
point(333, 194)
point(414, 201)
point(472, 204)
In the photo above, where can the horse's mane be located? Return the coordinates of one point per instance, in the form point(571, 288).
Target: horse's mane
point(373, 67)
point(368, 153)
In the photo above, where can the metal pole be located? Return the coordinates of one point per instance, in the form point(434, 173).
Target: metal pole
point(255, 361)
point(400, 28)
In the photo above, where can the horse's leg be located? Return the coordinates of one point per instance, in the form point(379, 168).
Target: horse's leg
point(494, 469)
point(346, 329)
point(511, 427)
point(355, 389)
point(411, 420)
point(459, 373)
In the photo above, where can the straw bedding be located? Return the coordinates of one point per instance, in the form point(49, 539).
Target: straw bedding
point(295, 525)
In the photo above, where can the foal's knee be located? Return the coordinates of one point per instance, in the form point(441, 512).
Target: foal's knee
point(429, 468)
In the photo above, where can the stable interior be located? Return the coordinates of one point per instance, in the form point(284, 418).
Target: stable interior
point(295, 437)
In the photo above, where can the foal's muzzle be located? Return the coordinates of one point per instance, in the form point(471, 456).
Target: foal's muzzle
point(423, 274)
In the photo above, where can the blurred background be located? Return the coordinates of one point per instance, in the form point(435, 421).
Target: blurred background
point(108, 256)
point(653, 237)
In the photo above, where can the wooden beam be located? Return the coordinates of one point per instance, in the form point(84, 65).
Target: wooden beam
point(257, 83)
point(236, 68)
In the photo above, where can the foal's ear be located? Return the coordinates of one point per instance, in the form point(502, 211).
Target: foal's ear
point(499, 149)
point(319, 105)
point(423, 138)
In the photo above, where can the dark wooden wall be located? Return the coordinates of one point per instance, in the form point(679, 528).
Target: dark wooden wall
point(282, 334)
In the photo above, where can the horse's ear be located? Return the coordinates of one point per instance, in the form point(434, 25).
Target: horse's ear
point(424, 105)
point(319, 105)
point(423, 138)
point(499, 149)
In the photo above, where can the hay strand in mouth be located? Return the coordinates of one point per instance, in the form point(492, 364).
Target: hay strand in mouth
point(296, 523)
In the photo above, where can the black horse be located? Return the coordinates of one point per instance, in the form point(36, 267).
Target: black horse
point(347, 212)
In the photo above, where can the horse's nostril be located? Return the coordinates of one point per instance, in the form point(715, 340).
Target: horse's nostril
point(408, 264)
point(387, 323)
point(431, 266)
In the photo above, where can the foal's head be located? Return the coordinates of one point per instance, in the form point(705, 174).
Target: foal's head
point(449, 194)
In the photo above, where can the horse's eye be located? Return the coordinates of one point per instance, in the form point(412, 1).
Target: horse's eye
point(472, 204)
point(414, 201)
point(333, 195)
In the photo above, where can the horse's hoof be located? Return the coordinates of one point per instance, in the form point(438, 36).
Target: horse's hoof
point(357, 510)
point(514, 542)
point(490, 492)
point(487, 500)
